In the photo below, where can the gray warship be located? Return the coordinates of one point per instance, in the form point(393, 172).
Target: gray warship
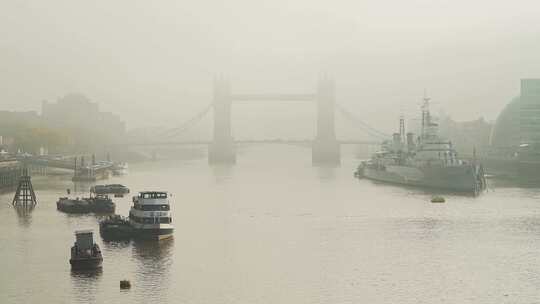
point(425, 161)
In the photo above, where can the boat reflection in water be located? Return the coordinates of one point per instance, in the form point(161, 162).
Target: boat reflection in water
point(85, 284)
point(24, 214)
point(154, 262)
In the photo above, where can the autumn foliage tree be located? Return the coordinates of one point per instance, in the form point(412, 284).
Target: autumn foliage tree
point(30, 140)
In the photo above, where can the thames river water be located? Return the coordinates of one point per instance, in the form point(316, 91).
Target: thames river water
point(275, 229)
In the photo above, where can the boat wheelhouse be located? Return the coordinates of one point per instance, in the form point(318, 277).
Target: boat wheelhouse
point(150, 215)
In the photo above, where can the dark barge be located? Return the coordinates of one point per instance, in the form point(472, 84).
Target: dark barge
point(94, 204)
point(115, 228)
point(115, 189)
point(85, 254)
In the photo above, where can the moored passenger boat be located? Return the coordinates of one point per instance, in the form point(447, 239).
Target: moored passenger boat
point(150, 215)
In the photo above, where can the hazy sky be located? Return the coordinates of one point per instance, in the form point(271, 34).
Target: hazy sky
point(153, 61)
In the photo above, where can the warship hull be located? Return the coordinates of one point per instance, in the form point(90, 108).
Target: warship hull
point(459, 179)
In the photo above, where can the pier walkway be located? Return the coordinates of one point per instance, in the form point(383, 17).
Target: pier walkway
point(10, 171)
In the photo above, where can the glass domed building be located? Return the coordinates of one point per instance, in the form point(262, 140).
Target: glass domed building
point(515, 136)
point(505, 131)
point(518, 123)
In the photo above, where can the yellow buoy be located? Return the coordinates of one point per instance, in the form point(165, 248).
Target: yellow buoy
point(438, 199)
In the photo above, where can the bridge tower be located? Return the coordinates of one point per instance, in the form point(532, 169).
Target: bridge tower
point(326, 148)
point(222, 149)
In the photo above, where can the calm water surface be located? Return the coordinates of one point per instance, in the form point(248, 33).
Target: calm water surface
point(274, 229)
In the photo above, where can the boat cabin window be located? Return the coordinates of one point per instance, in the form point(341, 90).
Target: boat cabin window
point(165, 220)
point(153, 195)
point(152, 207)
point(151, 220)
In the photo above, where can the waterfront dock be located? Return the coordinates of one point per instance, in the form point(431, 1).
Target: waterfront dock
point(10, 172)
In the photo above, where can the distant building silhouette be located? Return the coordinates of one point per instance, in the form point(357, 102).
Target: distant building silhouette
point(467, 136)
point(519, 122)
point(89, 127)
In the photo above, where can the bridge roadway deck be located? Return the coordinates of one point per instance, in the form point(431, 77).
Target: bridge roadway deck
point(68, 164)
point(273, 97)
point(275, 141)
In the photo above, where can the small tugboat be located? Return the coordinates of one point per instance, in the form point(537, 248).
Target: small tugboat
point(96, 204)
point(85, 254)
point(115, 227)
point(110, 189)
point(150, 215)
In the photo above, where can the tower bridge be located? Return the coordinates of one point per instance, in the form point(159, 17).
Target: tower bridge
point(325, 147)
point(222, 147)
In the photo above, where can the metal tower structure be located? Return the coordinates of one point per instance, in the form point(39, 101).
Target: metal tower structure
point(24, 196)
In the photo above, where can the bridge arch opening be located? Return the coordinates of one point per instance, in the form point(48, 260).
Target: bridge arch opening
point(325, 148)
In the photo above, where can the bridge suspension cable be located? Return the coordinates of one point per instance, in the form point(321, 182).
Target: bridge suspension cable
point(366, 127)
point(188, 124)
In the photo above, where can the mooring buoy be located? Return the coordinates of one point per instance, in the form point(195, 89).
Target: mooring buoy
point(125, 284)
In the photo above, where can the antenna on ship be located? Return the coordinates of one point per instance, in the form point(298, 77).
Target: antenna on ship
point(402, 128)
point(425, 112)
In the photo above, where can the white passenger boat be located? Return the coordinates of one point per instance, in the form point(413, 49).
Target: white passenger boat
point(150, 215)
